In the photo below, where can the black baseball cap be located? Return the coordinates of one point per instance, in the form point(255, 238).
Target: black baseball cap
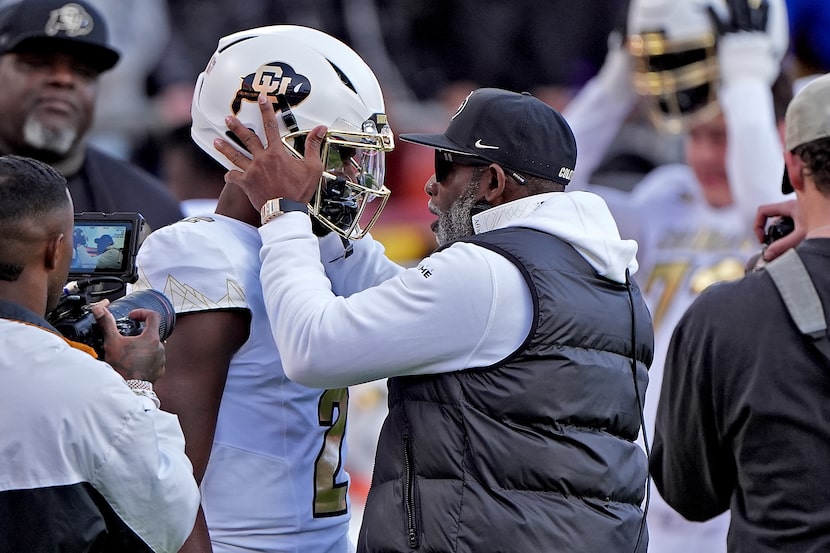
point(513, 129)
point(75, 27)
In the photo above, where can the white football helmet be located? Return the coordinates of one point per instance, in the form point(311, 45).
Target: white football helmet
point(312, 79)
point(674, 46)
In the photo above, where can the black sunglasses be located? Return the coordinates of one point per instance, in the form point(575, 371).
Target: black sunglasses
point(444, 161)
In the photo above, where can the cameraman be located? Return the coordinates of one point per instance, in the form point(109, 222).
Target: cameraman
point(741, 421)
point(86, 464)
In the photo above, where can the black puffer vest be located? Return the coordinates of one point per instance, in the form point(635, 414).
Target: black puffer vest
point(533, 454)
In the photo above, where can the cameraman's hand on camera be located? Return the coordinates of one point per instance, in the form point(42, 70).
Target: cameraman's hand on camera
point(134, 357)
point(765, 212)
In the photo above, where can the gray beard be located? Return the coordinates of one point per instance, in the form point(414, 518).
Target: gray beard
point(457, 221)
point(57, 141)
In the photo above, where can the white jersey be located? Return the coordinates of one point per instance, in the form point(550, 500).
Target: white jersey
point(275, 480)
point(685, 246)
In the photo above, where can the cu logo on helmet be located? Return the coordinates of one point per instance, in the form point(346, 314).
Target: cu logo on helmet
point(277, 80)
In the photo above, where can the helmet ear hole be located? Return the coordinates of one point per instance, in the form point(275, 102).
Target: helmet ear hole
point(236, 140)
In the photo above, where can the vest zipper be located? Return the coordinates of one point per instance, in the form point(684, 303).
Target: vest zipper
point(409, 495)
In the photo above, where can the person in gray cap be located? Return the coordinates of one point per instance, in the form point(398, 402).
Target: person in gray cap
point(743, 410)
point(517, 352)
point(51, 55)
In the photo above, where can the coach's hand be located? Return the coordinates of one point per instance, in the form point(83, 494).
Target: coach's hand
point(274, 172)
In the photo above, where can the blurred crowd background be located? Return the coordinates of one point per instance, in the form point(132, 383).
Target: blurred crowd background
point(428, 55)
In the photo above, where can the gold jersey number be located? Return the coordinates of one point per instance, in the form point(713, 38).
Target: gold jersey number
point(330, 495)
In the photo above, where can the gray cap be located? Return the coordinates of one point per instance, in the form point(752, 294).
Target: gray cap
point(807, 118)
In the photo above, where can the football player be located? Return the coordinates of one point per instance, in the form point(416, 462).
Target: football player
point(269, 453)
point(710, 70)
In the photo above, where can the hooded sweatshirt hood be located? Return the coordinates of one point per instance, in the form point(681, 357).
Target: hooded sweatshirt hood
point(580, 218)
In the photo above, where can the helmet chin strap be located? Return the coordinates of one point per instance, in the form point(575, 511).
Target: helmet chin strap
point(288, 118)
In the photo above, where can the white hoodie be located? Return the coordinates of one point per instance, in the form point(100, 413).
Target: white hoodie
point(579, 218)
point(462, 307)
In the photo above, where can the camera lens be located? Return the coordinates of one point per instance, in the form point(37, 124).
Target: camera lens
point(779, 229)
point(147, 299)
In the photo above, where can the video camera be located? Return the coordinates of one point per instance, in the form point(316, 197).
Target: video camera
point(780, 228)
point(103, 263)
point(105, 246)
point(777, 229)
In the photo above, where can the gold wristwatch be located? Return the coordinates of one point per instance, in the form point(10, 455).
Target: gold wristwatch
point(274, 208)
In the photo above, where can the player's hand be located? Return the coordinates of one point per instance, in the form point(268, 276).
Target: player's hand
point(745, 44)
point(274, 172)
point(134, 357)
point(765, 212)
point(744, 15)
point(616, 73)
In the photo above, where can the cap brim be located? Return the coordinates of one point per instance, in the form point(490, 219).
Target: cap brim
point(437, 141)
point(786, 185)
point(98, 56)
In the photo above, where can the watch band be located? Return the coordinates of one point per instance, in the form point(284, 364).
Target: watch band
point(275, 207)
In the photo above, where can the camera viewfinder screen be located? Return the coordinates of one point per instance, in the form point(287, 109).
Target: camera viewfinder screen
point(99, 248)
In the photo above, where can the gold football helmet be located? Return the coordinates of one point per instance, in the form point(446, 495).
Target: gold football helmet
point(674, 44)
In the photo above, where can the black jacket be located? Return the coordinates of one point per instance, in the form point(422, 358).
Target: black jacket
point(537, 452)
point(742, 422)
point(106, 184)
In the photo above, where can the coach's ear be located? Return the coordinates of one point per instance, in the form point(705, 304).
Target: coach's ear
point(499, 188)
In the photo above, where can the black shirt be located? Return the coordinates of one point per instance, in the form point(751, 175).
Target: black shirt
point(742, 421)
point(106, 184)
